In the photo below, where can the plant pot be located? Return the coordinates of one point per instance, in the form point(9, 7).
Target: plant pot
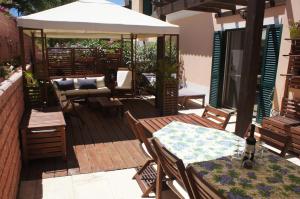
point(2, 79)
point(295, 34)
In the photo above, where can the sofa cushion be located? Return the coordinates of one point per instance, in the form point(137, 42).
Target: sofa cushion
point(75, 92)
point(64, 85)
point(124, 79)
point(103, 90)
point(99, 80)
point(87, 83)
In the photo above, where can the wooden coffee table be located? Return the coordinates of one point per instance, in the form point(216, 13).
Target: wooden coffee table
point(107, 105)
point(43, 134)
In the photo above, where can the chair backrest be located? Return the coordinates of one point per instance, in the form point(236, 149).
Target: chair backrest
point(200, 188)
point(141, 131)
point(218, 118)
point(172, 166)
point(132, 123)
point(276, 138)
point(124, 79)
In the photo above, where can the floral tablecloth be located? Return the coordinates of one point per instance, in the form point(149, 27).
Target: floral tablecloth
point(272, 177)
point(193, 143)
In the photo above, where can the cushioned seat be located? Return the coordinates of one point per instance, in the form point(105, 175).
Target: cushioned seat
point(124, 79)
point(101, 90)
point(75, 92)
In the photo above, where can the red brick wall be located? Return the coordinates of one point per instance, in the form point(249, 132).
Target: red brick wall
point(11, 110)
point(9, 39)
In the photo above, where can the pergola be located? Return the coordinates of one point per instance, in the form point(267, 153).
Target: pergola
point(92, 19)
point(254, 10)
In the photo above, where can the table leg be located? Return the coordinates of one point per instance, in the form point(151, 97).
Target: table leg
point(159, 181)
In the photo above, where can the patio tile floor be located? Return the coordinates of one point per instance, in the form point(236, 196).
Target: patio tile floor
point(107, 185)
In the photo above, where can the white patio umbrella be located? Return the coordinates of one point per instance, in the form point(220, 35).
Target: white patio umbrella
point(94, 18)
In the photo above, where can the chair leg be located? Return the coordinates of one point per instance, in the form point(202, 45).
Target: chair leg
point(159, 181)
point(149, 190)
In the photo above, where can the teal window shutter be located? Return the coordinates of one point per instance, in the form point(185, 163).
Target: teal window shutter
point(269, 71)
point(217, 69)
point(147, 7)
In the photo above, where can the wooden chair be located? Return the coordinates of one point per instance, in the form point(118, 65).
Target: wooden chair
point(125, 83)
point(146, 175)
point(275, 132)
point(132, 124)
point(295, 141)
point(174, 168)
point(218, 118)
point(199, 187)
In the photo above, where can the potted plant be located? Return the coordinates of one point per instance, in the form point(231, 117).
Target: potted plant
point(30, 80)
point(167, 86)
point(3, 73)
point(295, 30)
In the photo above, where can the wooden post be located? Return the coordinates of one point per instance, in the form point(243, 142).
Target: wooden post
point(132, 60)
point(251, 65)
point(160, 56)
point(43, 47)
point(177, 56)
point(33, 51)
point(122, 49)
point(22, 48)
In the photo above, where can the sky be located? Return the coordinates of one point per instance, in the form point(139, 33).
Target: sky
point(14, 12)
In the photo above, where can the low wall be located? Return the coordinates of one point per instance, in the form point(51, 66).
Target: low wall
point(11, 111)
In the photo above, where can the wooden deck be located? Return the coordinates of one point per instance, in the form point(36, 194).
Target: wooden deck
point(102, 143)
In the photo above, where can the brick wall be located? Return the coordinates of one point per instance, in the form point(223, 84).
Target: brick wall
point(9, 39)
point(11, 110)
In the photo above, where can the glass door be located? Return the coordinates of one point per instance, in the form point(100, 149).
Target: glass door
point(233, 64)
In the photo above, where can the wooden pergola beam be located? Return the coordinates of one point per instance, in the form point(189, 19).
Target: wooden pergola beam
point(251, 65)
point(206, 9)
point(166, 7)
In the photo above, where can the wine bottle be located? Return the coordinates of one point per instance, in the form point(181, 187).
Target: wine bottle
point(249, 148)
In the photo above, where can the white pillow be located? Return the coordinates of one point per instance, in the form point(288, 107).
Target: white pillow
point(99, 80)
point(124, 79)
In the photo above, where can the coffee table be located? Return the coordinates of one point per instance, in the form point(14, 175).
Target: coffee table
point(107, 105)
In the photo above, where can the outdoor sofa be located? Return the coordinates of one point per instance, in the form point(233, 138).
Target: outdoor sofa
point(81, 87)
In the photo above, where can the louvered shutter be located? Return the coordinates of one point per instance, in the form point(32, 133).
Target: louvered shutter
point(147, 7)
point(269, 71)
point(217, 69)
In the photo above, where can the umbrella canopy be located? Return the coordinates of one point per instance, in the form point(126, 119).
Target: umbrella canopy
point(94, 18)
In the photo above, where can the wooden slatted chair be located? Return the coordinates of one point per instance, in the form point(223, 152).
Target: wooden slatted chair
point(295, 140)
point(218, 118)
point(146, 175)
point(275, 132)
point(174, 169)
point(199, 187)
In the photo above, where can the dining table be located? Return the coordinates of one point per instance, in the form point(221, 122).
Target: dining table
point(212, 153)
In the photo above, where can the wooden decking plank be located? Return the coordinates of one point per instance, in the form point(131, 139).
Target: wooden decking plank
point(125, 154)
point(80, 150)
point(72, 162)
point(102, 152)
point(137, 152)
point(101, 144)
point(114, 154)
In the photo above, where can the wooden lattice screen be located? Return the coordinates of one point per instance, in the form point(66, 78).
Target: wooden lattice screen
point(80, 61)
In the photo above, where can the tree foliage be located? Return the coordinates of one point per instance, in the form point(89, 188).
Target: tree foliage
point(31, 6)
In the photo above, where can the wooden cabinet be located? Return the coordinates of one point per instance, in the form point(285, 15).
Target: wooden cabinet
point(43, 134)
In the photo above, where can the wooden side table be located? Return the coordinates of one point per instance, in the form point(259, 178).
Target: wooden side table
point(43, 134)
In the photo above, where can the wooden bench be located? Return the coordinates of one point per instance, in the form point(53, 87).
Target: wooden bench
point(43, 134)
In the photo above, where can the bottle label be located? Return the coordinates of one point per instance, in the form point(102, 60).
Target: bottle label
point(249, 148)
